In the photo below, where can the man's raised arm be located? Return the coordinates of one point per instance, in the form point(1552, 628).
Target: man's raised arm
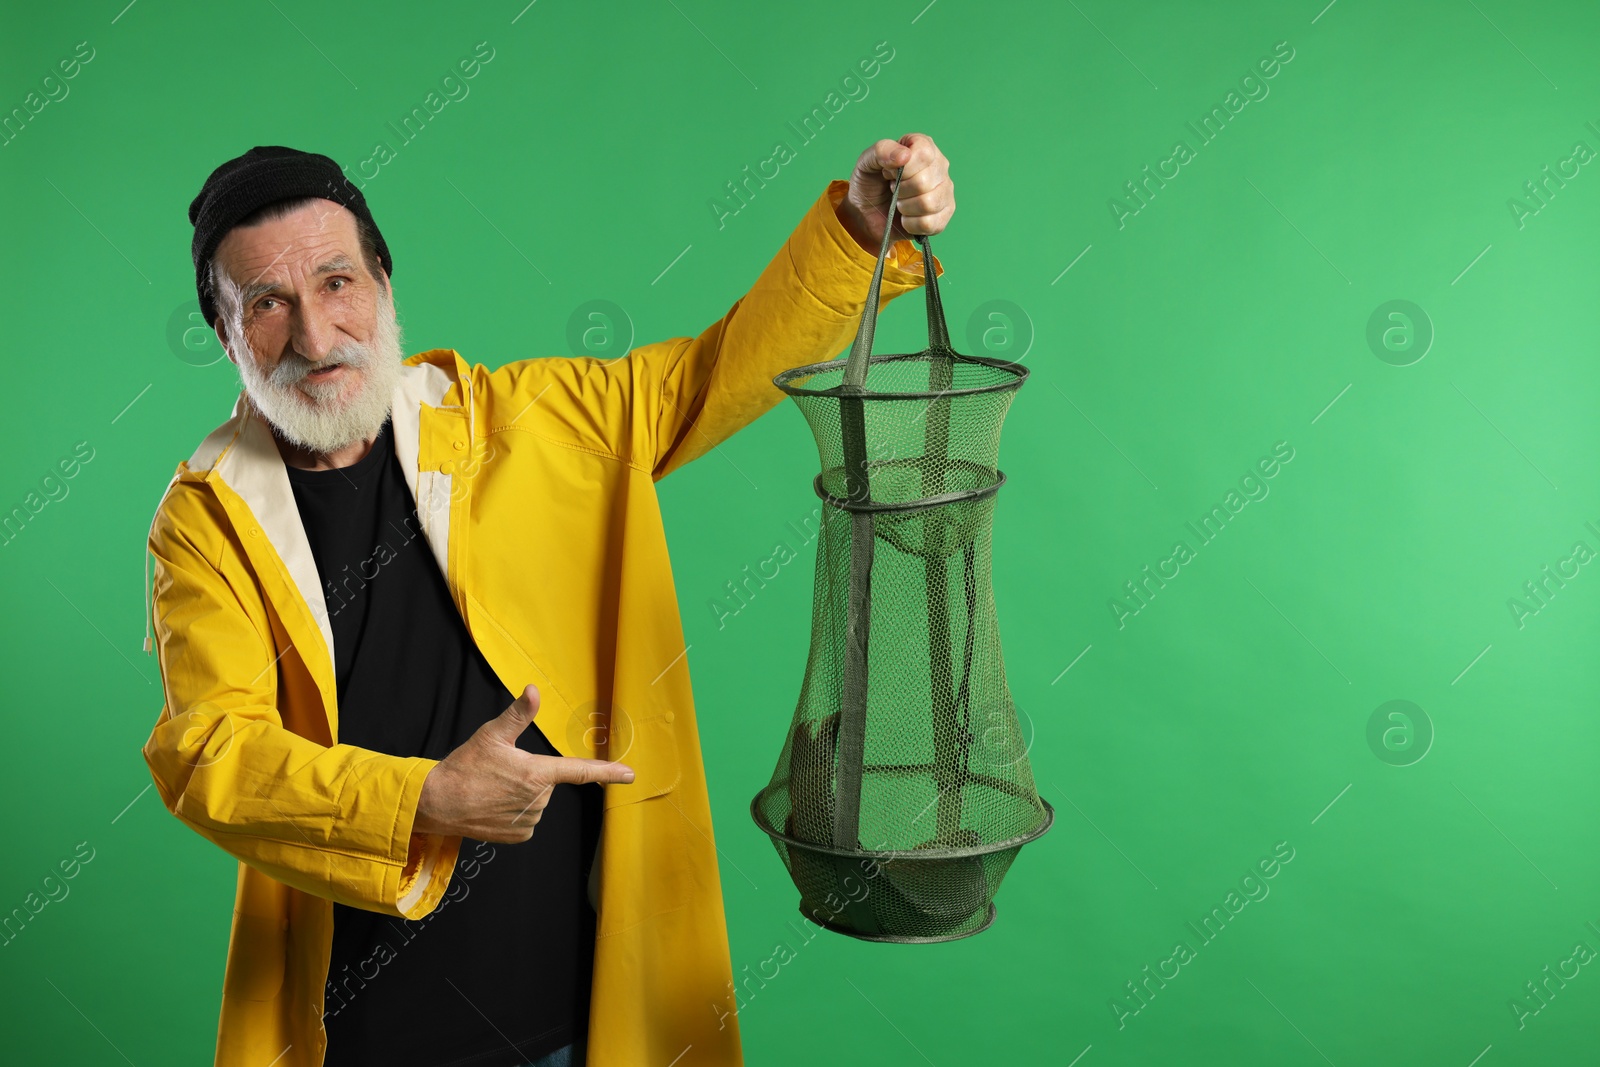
point(672, 401)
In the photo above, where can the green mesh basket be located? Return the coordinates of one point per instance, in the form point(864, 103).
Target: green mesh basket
point(903, 792)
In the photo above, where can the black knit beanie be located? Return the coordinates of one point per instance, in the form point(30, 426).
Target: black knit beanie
point(262, 175)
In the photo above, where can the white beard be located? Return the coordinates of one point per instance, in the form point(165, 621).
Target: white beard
point(308, 413)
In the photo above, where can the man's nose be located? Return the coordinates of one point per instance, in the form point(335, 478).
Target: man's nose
point(312, 333)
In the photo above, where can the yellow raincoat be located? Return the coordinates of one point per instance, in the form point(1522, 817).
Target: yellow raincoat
point(535, 487)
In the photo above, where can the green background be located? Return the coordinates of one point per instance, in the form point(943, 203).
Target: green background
point(1230, 714)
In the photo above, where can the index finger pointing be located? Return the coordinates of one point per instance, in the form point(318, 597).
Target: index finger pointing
point(581, 771)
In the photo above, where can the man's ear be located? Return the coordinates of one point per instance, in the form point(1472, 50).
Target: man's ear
point(222, 339)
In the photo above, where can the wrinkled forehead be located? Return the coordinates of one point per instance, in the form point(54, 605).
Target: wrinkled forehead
point(283, 250)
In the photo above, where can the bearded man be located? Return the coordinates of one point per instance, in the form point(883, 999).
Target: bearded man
point(377, 572)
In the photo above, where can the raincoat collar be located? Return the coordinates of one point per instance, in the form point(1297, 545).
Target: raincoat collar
point(242, 455)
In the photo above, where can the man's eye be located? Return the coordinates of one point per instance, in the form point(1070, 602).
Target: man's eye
point(341, 281)
point(261, 305)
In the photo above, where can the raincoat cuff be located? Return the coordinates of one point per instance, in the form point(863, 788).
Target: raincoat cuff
point(430, 858)
point(902, 270)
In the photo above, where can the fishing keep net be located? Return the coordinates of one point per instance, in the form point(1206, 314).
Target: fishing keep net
point(903, 792)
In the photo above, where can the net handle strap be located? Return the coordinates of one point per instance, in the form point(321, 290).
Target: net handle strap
point(855, 369)
point(850, 765)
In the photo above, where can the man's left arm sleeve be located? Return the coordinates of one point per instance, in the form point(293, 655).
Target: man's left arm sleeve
point(691, 394)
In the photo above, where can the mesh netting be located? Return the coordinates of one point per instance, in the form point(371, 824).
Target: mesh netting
point(903, 791)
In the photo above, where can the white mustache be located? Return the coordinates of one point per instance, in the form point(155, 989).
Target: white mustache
point(293, 366)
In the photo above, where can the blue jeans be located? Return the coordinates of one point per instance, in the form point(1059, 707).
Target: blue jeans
point(567, 1056)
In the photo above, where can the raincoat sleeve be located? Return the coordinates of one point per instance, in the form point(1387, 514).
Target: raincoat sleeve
point(331, 821)
point(672, 401)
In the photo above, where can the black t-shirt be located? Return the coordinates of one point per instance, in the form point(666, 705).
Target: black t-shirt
point(499, 972)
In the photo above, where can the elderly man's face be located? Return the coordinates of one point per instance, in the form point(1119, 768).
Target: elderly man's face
point(320, 344)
